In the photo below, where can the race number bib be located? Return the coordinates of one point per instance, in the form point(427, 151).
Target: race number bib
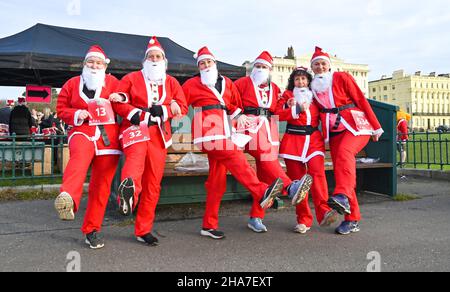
point(135, 134)
point(101, 113)
point(362, 124)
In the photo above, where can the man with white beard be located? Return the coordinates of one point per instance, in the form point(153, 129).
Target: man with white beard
point(214, 97)
point(150, 99)
point(348, 122)
point(96, 145)
point(259, 98)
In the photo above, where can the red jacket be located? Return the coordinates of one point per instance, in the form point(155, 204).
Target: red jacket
point(402, 130)
point(137, 92)
point(213, 124)
point(252, 96)
point(346, 91)
point(72, 100)
point(298, 147)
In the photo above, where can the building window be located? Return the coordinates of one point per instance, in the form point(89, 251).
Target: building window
point(393, 87)
point(385, 88)
point(374, 90)
point(385, 98)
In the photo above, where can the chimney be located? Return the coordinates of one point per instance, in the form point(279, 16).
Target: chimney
point(418, 73)
point(433, 74)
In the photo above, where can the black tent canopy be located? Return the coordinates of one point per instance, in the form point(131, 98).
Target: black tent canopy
point(50, 55)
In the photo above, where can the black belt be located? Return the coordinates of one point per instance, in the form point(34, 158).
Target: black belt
point(105, 137)
point(214, 107)
point(301, 130)
point(337, 111)
point(258, 111)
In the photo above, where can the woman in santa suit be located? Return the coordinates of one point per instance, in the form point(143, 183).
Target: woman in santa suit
point(90, 144)
point(214, 97)
point(259, 98)
point(348, 123)
point(150, 99)
point(303, 148)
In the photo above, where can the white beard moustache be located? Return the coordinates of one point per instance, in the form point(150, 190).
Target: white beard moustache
point(303, 95)
point(209, 76)
point(260, 76)
point(322, 82)
point(155, 71)
point(93, 78)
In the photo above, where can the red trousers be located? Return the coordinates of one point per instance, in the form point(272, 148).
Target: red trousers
point(234, 160)
point(268, 171)
point(344, 148)
point(319, 190)
point(82, 156)
point(145, 163)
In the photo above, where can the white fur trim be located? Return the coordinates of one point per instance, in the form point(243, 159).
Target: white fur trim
point(108, 152)
point(165, 113)
point(210, 138)
point(235, 114)
point(294, 113)
point(321, 58)
point(98, 55)
point(378, 132)
point(262, 61)
point(203, 57)
point(155, 48)
point(302, 159)
point(76, 121)
point(124, 95)
point(132, 113)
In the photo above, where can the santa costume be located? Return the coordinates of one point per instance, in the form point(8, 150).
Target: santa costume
point(89, 145)
point(259, 99)
point(303, 150)
point(348, 122)
point(402, 135)
point(146, 135)
point(217, 103)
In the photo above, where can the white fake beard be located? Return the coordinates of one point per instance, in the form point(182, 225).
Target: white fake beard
point(93, 78)
point(155, 71)
point(303, 95)
point(209, 76)
point(260, 76)
point(322, 82)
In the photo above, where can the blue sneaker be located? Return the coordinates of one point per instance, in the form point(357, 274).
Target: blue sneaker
point(341, 204)
point(299, 189)
point(257, 225)
point(348, 227)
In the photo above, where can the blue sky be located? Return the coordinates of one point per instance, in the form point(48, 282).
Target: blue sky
point(387, 35)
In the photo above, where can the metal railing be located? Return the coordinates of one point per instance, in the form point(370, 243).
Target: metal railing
point(428, 150)
point(35, 157)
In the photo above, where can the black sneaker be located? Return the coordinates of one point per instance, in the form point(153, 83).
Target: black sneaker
point(214, 234)
point(148, 239)
point(94, 240)
point(125, 197)
point(271, 194)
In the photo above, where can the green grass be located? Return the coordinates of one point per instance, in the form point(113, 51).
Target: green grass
point(405, 198)
point(422, 149)
point(12, 195)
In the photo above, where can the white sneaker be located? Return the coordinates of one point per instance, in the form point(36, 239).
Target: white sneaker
point(302, 229)
point(64, 206)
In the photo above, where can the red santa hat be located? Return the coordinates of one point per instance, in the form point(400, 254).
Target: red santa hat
point(10, 102)
point(21, 99)
point(320, 55)
point(204, 53)
point(97, 51)
point(155, 45)
point(265, 58)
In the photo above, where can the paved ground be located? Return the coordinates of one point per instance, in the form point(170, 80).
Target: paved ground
point(409, 236)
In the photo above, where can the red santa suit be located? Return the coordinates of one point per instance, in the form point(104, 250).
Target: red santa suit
point(303, 149)
point(402, 129)
point(346, 113)
point(145, 161)
point(87, 147)
point(260, 102)
point(211, 131)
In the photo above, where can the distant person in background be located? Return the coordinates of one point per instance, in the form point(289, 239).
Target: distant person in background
point(5, 112)
point(402, 135)
point(20, 121)
point(34, 118)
